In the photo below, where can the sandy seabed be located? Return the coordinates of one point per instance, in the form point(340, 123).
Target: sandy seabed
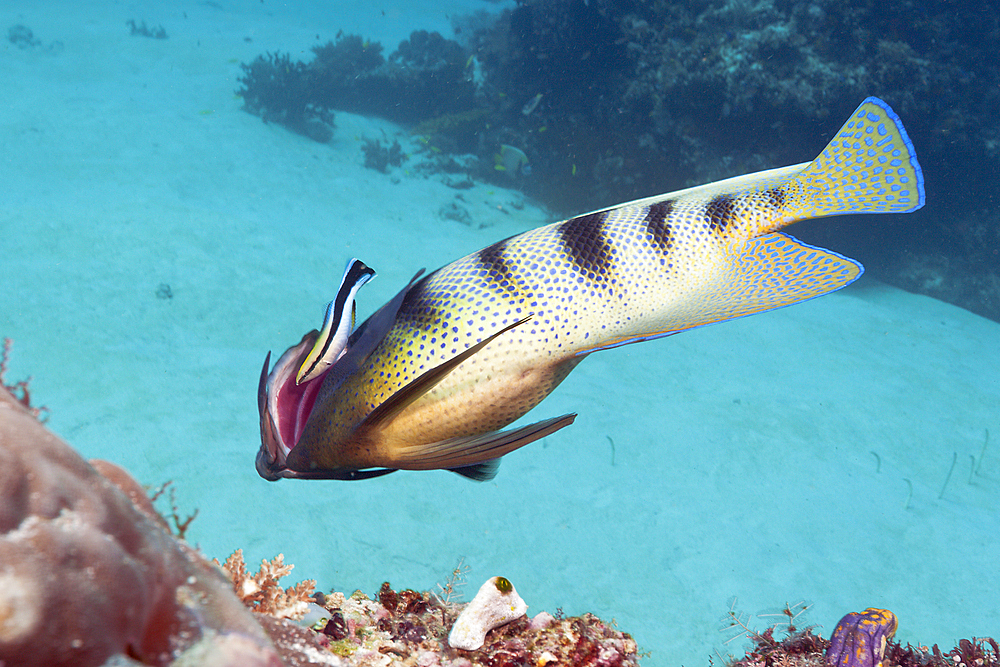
point(796, 455)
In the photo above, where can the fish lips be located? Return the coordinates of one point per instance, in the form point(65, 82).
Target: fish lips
point(284, 408)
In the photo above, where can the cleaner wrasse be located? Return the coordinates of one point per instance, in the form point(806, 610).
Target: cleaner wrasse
point(428, 380)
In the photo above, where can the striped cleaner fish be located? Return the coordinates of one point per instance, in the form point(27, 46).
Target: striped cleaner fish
point(429, 380)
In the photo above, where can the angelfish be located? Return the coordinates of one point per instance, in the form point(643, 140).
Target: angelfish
point(432, 377)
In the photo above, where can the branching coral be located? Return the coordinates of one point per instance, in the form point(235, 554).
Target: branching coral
point(261, 591)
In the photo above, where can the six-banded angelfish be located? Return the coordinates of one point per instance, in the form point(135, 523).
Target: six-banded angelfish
point(429, 380)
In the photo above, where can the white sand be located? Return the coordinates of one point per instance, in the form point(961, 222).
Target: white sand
point(744, 456)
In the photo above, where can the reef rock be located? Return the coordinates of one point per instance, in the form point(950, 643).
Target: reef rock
point(89, 573)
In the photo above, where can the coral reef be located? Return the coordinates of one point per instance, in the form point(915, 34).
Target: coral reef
point(861, 639)
point(424, 78)
point(88, 572)
point(19, 390)
point(663, 95)
point(380, 157)
point(280, 91)
point(411, 628)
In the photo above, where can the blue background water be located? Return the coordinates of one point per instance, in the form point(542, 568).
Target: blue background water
point(768, 459)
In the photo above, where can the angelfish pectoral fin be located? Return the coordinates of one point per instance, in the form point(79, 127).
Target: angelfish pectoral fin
point(478, 457)
point(398, 402)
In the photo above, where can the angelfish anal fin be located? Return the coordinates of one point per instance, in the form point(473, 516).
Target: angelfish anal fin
point(777, 270)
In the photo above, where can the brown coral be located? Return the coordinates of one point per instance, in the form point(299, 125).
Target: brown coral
point(261, 591)
point(86, 575)
point(19, 390)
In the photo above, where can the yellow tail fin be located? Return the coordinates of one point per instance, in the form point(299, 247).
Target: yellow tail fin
point(869, 167)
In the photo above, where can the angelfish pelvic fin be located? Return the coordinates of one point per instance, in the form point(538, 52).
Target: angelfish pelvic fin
point(478, 457)
point(398, 402)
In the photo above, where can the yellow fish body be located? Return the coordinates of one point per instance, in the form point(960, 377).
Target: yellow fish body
point(430, 379)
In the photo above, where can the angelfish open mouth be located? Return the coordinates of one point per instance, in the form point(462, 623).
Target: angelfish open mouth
point(284, 408)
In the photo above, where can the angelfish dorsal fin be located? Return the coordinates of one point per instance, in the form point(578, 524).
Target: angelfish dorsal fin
point(416, 388)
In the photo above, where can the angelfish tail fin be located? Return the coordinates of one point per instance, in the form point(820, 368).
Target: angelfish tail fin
point(870, 166)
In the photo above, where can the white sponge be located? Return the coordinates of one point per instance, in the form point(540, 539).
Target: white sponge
point(496, 603)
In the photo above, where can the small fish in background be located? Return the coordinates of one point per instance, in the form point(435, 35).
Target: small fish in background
point(531, 104)
point(512, 161)
point(430, 379)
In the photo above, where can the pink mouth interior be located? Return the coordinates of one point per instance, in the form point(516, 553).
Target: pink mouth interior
point(294, 405)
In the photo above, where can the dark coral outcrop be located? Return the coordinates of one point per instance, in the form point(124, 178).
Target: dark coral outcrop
point(89, 571)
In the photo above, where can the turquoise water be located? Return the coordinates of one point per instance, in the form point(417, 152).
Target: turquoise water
point(796, 455)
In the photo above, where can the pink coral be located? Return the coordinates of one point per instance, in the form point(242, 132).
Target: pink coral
point(85, 574)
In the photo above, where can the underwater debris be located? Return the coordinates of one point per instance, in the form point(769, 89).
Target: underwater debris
point(19, 390)
point(261, 591)
point(497, 603)
point(142, 30)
